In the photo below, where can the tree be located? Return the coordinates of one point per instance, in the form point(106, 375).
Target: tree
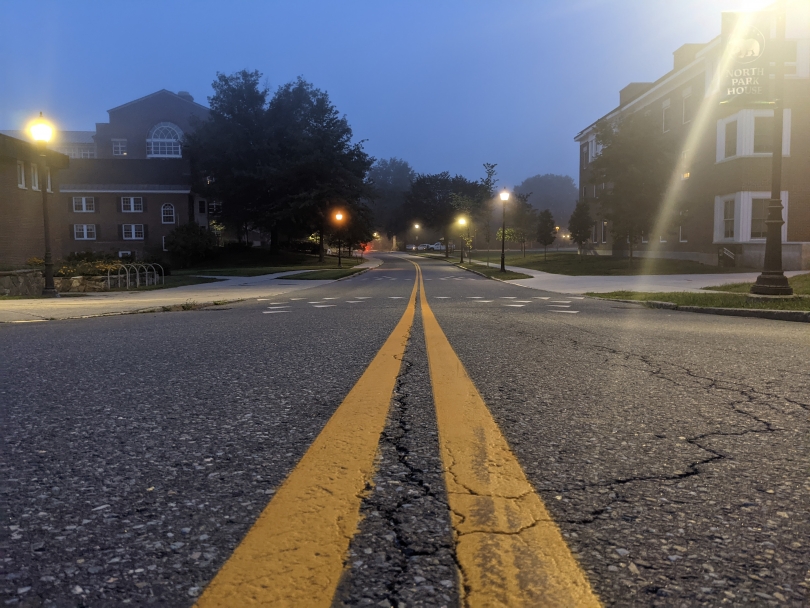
point(317, 167)
point(557, 193)
point(524, 219)
point(634, 166)
point(190, 243)
point(390, 180)
point(230, 149)
point(580, 224)
point(546, 230)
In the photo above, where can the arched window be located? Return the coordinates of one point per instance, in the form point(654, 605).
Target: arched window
point(164, 141)
point(167, 213)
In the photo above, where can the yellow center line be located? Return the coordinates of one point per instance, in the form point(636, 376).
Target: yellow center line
point(509, 550)
point(294, 553)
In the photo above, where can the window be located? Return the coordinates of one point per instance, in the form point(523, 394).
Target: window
point(119, 147)
point(759, 213)
point(84, 232)
point(49, 180)
point(164, 141)
point(202, 207)
point(132, 232)
point(687, 109)
point(604, 232)
point(20, 174)
point(34, 176)
point(164, 243)
point(666, 118)
point(167, 213)
point(584, 192)
point(84, 204)
point(728, 219)
point(731, 139)
point(763, 134)
point(685, 173)
point(583, 154)
point(644, 238)
point(124, 254)
point(131, 204)
point(682, 234)
point(661, 239)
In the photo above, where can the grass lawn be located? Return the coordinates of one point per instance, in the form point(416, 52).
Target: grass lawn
point(712, 300)
point(494, 271)
point(322, 275)
point(572, 264)
point(285, 263)
point(800, 284)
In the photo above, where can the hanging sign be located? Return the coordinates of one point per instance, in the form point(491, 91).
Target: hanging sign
point(745, 63)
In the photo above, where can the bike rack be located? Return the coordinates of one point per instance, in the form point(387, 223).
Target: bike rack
point(137, 273)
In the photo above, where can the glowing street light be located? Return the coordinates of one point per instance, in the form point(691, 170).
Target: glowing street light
point(42, 132)
point(504, 199)
point(462, 222)
point(339, 218)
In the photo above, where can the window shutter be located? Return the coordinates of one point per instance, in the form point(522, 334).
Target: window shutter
point(120, 232)
point(145, 232)
point(72, 230)
point(70, 204)
point(143, 200)
point(121, 204)
point(98, 231)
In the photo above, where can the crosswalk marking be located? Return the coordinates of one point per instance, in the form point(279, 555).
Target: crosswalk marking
point(515, 305)
point(270, 312)
point(324, 306)
point(569, 311)
point(559, 305)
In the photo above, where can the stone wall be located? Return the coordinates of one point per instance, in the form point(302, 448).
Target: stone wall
point(31, 282)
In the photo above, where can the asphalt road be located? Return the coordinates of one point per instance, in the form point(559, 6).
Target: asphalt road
point(670, 448)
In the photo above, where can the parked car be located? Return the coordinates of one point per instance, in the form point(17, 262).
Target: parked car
point(411, 247)
point(425, 247)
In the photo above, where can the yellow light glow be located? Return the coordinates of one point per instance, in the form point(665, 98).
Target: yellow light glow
point(504, 196)
point(416, 226)
point(338, 216)
point(41, 130)
point(462, 221)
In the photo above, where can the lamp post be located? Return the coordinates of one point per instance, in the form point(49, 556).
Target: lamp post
point(504, 198)
point(42, 132)
point(416, 236)
point(772, 280)
point(339, 219)
point(462, 222)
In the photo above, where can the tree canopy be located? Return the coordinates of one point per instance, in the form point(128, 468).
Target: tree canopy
point(580, 225)
point(557, 193)
point(546, 229)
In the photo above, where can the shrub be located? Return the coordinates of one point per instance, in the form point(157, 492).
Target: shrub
point(189, 243)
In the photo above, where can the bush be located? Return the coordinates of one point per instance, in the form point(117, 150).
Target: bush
point(190, 243)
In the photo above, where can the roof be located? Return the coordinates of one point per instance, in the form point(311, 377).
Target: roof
point(160, 92)
point(61, 137)
point(143, 188)
point(12, 147)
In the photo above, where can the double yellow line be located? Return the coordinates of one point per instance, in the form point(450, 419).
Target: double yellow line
point(509, 550)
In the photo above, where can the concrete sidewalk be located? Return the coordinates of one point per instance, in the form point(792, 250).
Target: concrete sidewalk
point(95, 304)
point(659, 282)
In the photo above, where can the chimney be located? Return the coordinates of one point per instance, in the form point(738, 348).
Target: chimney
point(185, 95)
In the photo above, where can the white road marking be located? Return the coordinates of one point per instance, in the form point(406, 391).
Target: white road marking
point(485, 301)
point(318, 302)
point(576, 298)
point(524, 301)
point(330, 298)
point(442, 297)
point(262, 299)
point(568, 311)
point(541, 298)
point(395, 297)
point(294, 299)
point(508, 297)
point(354, 301)
point(515, 305)
point(270, 312)
point(474, 297)
point(559, 305)
point(277, 307)
point(561, 301)
point(324, 306)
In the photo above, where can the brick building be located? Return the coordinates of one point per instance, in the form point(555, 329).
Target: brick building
point(128, 185)
point(724, 178)
point(22, 234)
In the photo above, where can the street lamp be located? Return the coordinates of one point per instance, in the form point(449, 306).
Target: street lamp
point(42, 132)
point(462, 222)
point(339, 219)
point(504, 198)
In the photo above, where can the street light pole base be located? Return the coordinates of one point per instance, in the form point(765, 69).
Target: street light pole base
point(772, 284)
point(49, 292)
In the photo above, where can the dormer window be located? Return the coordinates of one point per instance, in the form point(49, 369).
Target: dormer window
point(164, 141)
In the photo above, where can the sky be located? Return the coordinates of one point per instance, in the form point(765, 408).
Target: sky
point(446, 85)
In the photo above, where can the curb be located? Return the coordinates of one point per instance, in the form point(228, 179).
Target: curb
point(797, 316)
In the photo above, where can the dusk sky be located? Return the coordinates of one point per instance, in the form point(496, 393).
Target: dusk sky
point(444, 85)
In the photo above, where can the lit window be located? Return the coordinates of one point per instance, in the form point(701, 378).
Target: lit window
point(728, 219)
point(164, 141)
point(131, 204)
point(20, 174)
point(759, 213)
point(34, 177)
point(119, 147)
point(684, 166)
point(167, 213)
point(84, 232)
point(84, 204)
point(132, 232)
